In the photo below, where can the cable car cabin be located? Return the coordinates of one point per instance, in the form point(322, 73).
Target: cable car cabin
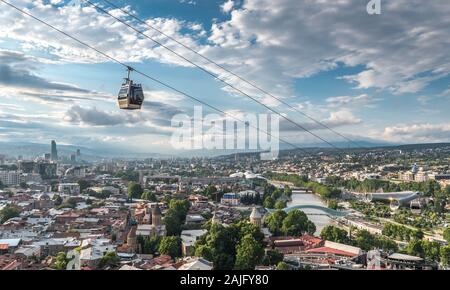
point(130, 95)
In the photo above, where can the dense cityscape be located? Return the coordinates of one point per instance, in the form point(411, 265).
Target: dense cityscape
point(377, 208)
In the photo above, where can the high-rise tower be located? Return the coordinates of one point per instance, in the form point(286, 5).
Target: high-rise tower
point(54, 152)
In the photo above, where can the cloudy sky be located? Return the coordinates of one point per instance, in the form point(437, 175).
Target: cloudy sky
point(383, 77)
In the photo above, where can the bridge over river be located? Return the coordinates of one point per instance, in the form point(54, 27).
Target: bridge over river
point(323, 210)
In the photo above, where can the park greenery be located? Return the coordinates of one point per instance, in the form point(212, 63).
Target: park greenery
point(294, 223)
point(334, 234)
point(325, 191)
point(362, 239)
point(430, 251)
point(238, 246)
point(401, 233)
point(274, 197)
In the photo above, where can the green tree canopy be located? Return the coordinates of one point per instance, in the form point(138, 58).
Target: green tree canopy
point(8, 212)
point(446, 234)
point(283, 266)
point(220, 243)
point(297, 223)
point(134, 190)
point(249, 253)
point(60, 262)
point(275, 221)
point(280, 204)
point(171, 246)
point(269, 202)
point(273, 257)
point(148, 195)
point(84, 184)
point(110, 259)
point(334, 234)
point(445, 256)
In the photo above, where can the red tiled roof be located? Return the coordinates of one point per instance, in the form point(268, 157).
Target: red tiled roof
point(327, 250)
point(311, 239)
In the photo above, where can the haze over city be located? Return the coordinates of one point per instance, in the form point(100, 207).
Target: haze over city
point(327, 59)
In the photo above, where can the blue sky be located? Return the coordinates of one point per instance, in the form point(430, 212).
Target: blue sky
point(382, 78)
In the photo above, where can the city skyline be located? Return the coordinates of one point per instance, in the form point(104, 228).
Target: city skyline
point(344, 69)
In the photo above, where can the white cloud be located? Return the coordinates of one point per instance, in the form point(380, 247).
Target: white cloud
point(351, 101)
point(418, 133)
point(268, 42)
point(227, 6)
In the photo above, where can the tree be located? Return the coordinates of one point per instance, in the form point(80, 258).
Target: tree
point(445, 256)
point(283, 266)
point(242, 228)
point(71, 202)
point(180, 208)
point(149, 245)
point(275, 221)
point(280, 204)
point(172, 222)
point(148, 195)
point(211, 192)
point(248, 253)
point(23, 185)
point(175, 216)
point(276, 194)
point(287, 190)
point(218, 246)
point(8, 212)
point(431, 250)
point(171, 246)
point(273, 257)
point(446, 233)
point(84, 184)
point(415, 248)
point(365, 240)
point(334, 234)
point(204, 251)
point(110, 259)
point(60, 261)
point(269, 202)
point(297, 223)
point(2, 186)
point(134, 190)
point(333, 204)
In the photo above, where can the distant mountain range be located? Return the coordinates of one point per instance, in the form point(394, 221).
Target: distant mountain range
point(31, 150)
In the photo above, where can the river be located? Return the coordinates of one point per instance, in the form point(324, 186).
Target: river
point(302, 198)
